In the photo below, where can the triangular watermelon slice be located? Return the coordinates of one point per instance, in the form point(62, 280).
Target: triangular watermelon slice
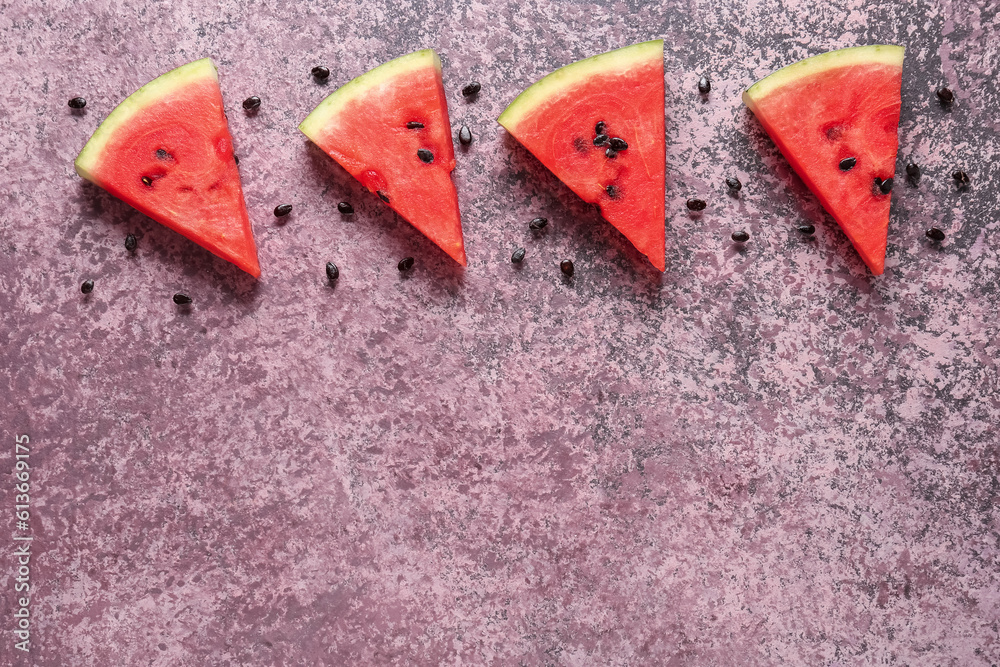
point(570, 120)
point(389, 129)
point(166, 150)
point(825, 110)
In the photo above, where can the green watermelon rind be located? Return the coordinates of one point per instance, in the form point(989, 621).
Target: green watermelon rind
point(154, 91)
point(565, 78)
point(887, 54)
point(336, 101)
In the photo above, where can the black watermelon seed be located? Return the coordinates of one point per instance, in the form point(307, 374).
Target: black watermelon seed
point(281, 210)
point(332, 272)
point(611, 153)
point(130, 242)
point(885, 186)
point(601, 140)
point(961, 178)
point(537, 224)
point(77, 103)
point(600, 127)
point(146, 180)
point(935, 234)
point(345, 208)
point(619, 144)
point(236, 159)
point(566, 266)
point(472, 89)
point(251, 103)
point(465, 136)
point(808, 230)
point(425, 155)
point(848, 163)
point(704, 85)
point(405, 264)
point(383, 196)
point(734, 184)
point(163, 154)
point(414, 125)
point(518, 256)
point(612, 191)
point(740, 236)
point(321, 72)
point(182, 299)
point(945, 95)
point(87, 287)
point(913, 171)
point(696, 204)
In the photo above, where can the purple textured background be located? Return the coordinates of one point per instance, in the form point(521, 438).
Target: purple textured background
point(760, 457)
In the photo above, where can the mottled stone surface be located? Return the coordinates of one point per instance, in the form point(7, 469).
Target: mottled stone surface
point(760, 457)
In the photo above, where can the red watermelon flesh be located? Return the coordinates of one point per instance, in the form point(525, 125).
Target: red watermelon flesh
point(370, 126)
point(166, 150)
point(556, 119)
point(834, 106)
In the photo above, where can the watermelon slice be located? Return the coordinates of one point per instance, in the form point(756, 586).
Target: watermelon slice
point(389, 129)
point(571, 118)
point(166, 150)
point(825, 110)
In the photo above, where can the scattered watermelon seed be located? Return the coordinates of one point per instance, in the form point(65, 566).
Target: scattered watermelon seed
point(77, 103)
point(566, 266)
point(472, 89)
point(251, 103)
point(612, 191)
point(885, 186)
point(321, 72)
point(281, 210)
point(619, 144)
point(740, 236)
point(848, 163)
point(538, 224)
point(425, 155)
point(935, 234)
point(808, 230)
point(162, 154)
point(611, 153)
point(913, 171)
point(465, 136)
point(696, 204)
point(704, 85)
point(182, 299)
point(961, 178)
point(518, 256)
point(146, 180)
point(405, 264)
point(600, 127)
point(414, 125)
point(383, 196)
point(130, 242)
point(945, 95)
point(734, 184)
point(87, 287)
point(601, 140)
point(236, 159)
point(332, 272)
point(345, 208)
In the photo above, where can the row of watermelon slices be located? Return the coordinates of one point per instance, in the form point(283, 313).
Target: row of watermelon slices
point(167, 151)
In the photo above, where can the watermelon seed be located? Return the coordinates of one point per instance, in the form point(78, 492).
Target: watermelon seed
point(834, 132)
point(345, 208)
point(518, 256)
point(383, 196)
point(321, 73)
point(704, 85)
point(848, 163)
point(182, 299)
point(734, 184)
point(885, 186)
point(935, 234)
point(236, 159)
point(77, 103)
point(472, 89)
point(251, 103)
point(425, 155)
point(600, 127)
point(566, 266)
point(612, 191)
point(405, 264)
point(740, 236)
point(131, 243)
point(808, 230)
point(945, 95)
point(696, 204)
point(538, 224)
point(611, 153)
point(913, 172)
point(87, 287)
point(961, 178)
point(414, 125)
point(281, 210)
point(332, 272)
point(619, 144)
point(162, 154)
point(601, 140)
point(146, 180)
point(465, 136)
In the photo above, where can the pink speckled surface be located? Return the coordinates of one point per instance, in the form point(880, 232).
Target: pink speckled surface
point(760, 457)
